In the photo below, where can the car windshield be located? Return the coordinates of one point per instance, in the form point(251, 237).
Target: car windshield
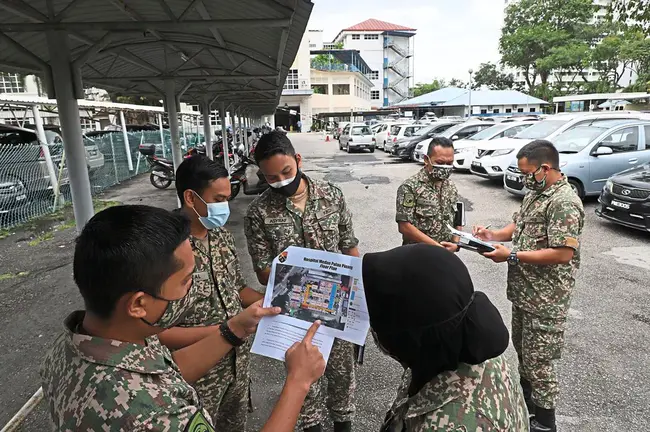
point(452, 130)
point(541, 130)
point(574, 140)
point(487, 133)
point(424, 130)
point(361, 130)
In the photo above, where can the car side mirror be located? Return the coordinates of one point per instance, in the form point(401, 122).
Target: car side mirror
point(603, 150)
point(455, 138)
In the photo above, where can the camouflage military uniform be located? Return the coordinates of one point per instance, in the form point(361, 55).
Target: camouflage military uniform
point(95, 384)
point(428, 207)
point(541, 295)
point(272, 224)
point(473, 398)
point(224, 390)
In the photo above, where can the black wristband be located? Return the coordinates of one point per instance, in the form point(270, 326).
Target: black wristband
point(229, 336)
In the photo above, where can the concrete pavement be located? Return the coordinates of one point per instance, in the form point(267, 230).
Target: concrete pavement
point(605, 372)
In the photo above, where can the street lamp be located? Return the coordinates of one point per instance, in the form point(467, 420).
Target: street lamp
point(470, 92)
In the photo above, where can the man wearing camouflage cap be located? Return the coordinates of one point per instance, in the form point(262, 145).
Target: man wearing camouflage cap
point(133, 266)
point(426, 202)
point(300, 211)
point(543, 261)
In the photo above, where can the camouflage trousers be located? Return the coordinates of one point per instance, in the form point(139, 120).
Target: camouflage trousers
point(225, 395)
point(341, 384)
point(538, 342)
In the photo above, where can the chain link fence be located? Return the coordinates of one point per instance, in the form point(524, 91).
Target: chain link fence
point(26, 187)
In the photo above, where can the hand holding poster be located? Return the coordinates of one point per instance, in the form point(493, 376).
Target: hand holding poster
point(310, 285)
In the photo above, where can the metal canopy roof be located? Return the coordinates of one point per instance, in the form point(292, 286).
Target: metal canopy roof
point(234, 51)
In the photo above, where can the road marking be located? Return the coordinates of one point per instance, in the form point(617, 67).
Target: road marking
point(635, 256)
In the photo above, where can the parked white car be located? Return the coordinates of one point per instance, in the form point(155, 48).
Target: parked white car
point(399, 132)
point(455, 133)
point(493, 158)
point(465, 149)
point(357, 136)
point(382, 135)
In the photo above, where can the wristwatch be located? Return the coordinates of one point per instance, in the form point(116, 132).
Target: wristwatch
point(229, 336)
point(512, 258)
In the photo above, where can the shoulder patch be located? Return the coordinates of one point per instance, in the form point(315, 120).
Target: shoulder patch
point(572, 242)
point(409, 200)
point(198, 423)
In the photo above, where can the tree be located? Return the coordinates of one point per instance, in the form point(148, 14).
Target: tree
point(622, 50)
point(455, 82)
point(637, 12)
point(489, 76)
point(421, 88)
point(535, 29)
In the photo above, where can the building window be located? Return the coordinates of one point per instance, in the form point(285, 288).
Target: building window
point(319, 88)
point(520, 110)
point(508, 110)
point(373, 75)
point(496, 111)
point(86, 124)
point(292, 80)
point(10, 83)
point(483, 111)
point(371, 37)
point(341, 89)
point(312, 45)
point(374, 95)
point(356, 37)
point(532, 110)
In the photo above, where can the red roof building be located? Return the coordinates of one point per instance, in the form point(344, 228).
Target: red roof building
point(377, 25)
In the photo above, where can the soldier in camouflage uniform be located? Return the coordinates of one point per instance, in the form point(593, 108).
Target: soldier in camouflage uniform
point(426, 202)
point(108, 371)
point(220, 290)
point(543, 261)
point(301, 211)
point(450, 340)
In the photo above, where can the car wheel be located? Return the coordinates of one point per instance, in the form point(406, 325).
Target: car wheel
point(384, 146)
point(347, 148)
point(372, 149)
point(577, 187)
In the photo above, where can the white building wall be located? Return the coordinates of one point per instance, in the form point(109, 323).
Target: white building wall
point(300, 96)
point(357, 100)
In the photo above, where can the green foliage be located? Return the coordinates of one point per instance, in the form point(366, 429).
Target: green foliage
point(541, 35)
point(489, 76)
point(455, 82)
point(636, 12)
point(421, 88)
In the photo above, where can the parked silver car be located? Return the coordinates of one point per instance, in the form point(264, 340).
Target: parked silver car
point(591, 153)
point(357, 136)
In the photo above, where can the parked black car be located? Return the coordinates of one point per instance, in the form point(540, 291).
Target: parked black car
point(625, 199)
point(406, 150)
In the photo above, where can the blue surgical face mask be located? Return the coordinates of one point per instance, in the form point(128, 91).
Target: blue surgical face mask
point(217, 214)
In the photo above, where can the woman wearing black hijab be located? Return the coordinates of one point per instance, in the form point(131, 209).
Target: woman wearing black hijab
point(425, 314)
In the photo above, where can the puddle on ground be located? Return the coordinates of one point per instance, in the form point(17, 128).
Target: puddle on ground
point(635, 256)
point(368, 180)
point(339, 176)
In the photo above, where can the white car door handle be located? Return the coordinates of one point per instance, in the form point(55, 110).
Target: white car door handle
point(633, 160)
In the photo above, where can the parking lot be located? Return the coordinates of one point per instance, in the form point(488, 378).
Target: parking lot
point(605, 371)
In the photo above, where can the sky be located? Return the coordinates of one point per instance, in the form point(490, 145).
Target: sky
point(452, 35)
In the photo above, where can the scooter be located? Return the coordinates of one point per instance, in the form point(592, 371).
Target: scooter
point(243, 173)
point(162, 170)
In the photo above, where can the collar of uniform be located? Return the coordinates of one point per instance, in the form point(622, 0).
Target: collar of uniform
point(315, 192)
point(198, 244)
point(555, 186)
point(147, 359)
point(444, 388)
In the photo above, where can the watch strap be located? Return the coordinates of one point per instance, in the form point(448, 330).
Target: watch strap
point(229, 336)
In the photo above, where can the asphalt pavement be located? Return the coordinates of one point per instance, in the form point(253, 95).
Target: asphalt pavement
point(604, 372)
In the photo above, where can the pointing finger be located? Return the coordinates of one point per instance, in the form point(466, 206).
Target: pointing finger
point(311, 332)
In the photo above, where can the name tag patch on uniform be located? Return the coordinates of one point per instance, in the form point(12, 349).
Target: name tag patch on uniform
point(200, 276)
point(324, 213)
point(281, 220)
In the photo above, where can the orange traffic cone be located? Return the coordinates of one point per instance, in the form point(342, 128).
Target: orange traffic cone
point(327, 138)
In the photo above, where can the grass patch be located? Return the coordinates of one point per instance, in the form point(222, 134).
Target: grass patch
point(43, 228)
point(10, 276)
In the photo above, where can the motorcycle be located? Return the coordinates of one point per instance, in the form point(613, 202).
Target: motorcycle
point(162, 170)
point(242, 172)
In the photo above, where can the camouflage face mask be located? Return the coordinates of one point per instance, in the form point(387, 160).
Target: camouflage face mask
point(175, 310)
point(439, 172)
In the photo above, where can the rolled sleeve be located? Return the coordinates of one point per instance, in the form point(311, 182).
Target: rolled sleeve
point(259, 248)
point(405, 204)
point(565, 222)
point(347, 240)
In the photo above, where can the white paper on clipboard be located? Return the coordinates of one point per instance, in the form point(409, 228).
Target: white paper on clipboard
point(468, 241)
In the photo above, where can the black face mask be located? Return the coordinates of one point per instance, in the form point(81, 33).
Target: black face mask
point(287, 188)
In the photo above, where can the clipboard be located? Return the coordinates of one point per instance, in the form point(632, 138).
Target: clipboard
point(469, 242)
